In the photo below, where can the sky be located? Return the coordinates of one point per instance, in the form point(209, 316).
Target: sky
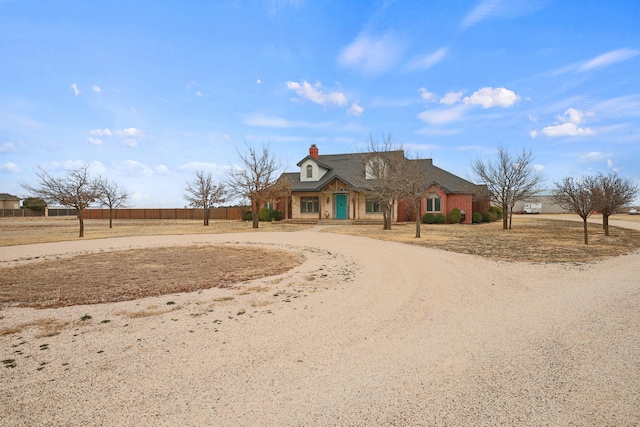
point(148, 92)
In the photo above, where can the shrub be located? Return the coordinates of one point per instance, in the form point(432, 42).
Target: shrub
point(429, 218)
point(454, 216)
point(487, 217)
point(441, 219)
point(496, 212)
point(249, 216)
point(269, 215)
point(476, 217)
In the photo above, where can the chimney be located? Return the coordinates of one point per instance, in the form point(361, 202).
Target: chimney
point(313, 151)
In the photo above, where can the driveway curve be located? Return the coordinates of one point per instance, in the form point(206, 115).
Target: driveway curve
point(363, 333)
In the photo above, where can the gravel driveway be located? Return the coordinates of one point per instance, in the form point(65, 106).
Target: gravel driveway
point(363, 333)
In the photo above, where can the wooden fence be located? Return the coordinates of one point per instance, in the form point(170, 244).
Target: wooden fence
point(231, 214)
point(15, 213)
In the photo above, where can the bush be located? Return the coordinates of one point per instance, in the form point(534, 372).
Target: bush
point(441, 219)
point(496, 212)
point(487, 217)
point(249, 216)
point(429, 218)
point(454, 216)
point(476, 217)
point(269, 215)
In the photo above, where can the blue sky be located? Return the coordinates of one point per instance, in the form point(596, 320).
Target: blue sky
point(148, 92)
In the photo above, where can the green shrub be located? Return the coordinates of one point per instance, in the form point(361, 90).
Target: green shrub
point(269, 215)
point(429, 218)
point(441, 219)
point(487, 217)
point(496, 212)
point(454, 216)
point(249, 216)
point(476, 217)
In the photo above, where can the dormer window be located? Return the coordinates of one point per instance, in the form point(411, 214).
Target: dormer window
point(309, 171)
point(375, 169)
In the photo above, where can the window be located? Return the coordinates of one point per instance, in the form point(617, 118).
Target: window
point(268, 205)
point(375, 169)
point(373, 206)
point(433, 204)
point(309, 171)
point(309, 204)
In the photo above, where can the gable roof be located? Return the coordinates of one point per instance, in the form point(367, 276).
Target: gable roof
point(7, 196)
point(349, 168)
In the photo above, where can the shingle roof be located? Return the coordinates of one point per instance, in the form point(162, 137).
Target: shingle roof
point(349, 168)
point(6, 196)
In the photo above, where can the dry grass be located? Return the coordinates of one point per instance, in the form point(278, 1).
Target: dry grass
point(133, 274)
point(48, 327)
point(24, 231)
point(531, 239)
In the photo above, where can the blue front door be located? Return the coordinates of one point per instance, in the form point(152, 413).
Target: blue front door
point(341, 206)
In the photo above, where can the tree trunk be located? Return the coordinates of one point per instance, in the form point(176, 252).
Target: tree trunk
point(206, 215)
point(110, 218)
point(505, 217)
point(586, 231)
point(81, 219)
point(255, 213)
point(417, 227)
point(510, 218)
point(605, 224)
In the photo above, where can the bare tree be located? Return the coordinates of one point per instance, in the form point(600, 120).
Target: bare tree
point(414, 177)
point(75, 190)
point(509, 180)
point(612, 193)
point(203, 193)
point(383, 163)
point(255, 179)
point(112, 196)
point(578, 196)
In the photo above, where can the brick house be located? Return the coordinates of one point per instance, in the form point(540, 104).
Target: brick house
point(334, 186)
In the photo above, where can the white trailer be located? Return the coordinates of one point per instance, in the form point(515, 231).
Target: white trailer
point(532, 208)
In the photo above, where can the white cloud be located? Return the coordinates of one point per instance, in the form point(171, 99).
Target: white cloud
point(75, 89)
point(566, 129)
point(537, 167)
point(162, 170)
point(427, 61)
point(133, 168)
point(96, 89)
point(7, 147)
point(101, 132)
point(440, 116)
point(426, 95)
point(355, 110)
point(278, 122)
point(315, 94)
point(533, 133)
point(451, 98)
point(372, 55)
point(489, 97)
point(572, 119)
point(198, 93)
point(10, 168)
point(258, 81)
point(495, 8)
point(197, 166)
point(608, 58)
point(593, 156)
point(94, 141)
point(130, 136)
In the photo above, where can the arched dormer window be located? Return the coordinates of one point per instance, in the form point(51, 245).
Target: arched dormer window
point(309, 171)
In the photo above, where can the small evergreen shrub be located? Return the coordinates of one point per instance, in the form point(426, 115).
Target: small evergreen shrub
point(487, 217)
point(429, 218)
point(441, 219)
point(476, 217)
point(454, 216)
point(249, 216)
point(496, 212)
point(269, 215)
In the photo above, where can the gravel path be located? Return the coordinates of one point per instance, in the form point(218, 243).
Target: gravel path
point(363, 333)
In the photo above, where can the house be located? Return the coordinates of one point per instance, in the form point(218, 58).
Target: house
point(7, 201)
point(543, 201)
point(335, 186)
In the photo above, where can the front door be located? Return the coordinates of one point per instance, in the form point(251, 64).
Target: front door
point(341, 206)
